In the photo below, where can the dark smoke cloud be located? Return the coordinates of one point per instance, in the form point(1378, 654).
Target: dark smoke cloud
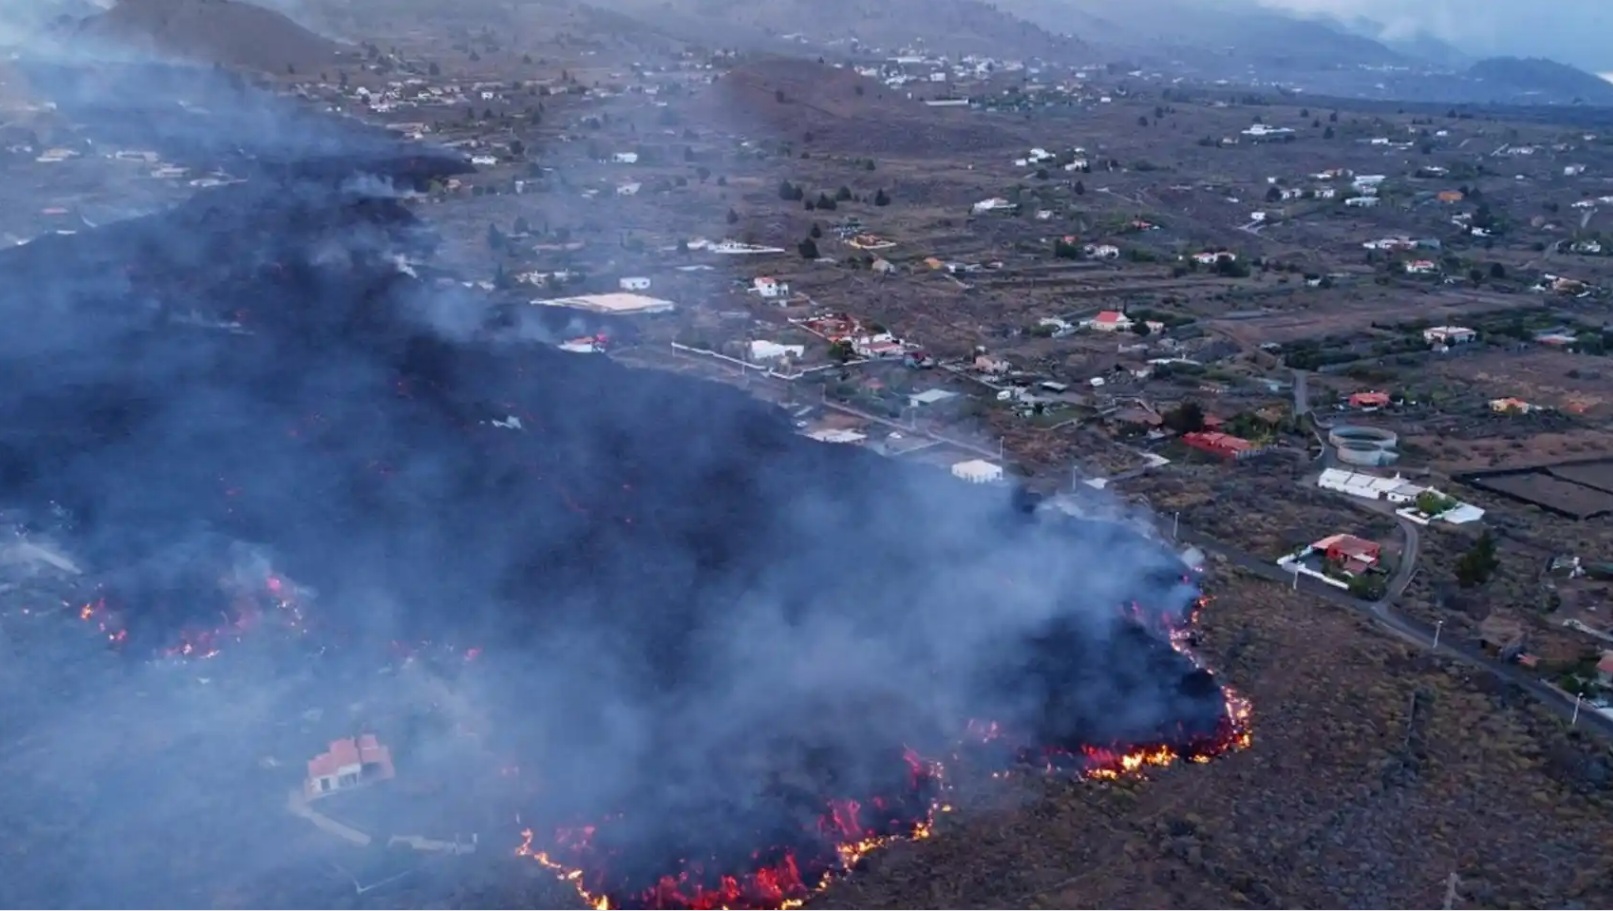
point(676, 601)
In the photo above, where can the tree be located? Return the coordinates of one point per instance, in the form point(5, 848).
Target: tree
point(843, 194)
point(521, 225)
point(842, 351)
point(1275, 194)
point(786, 190)
point(1327, 133)
point(1498, 271)
point(825, 201)
point(779, 96)
point(1333, 117)
point(1141, 328)
point(881, 198)
point(1187, 417)
point(517, 148)
point(495, 237)
point(732, 216)
point(434, 69)
point(1142, 121)
point(1080, 188)
point(1475, 567)
point(1368, 587)
point(816, 232)
point(808, 248)
point(1433, 503)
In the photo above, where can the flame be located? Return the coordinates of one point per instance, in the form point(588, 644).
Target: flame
point(779, 882)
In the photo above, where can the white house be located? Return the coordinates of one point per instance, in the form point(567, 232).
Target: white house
point(1102, 251)
point(628, 189)
point(771, 351)
point(1362, 202)
point(1110, 321)
point(633, 283)
point(978, 471)
point(625, 158)
point(1421, 267)
point(1210, 258)
point(483, 161)
point(1448, 335)
point(770, 287)
point(995, 204)
point(1369, 487)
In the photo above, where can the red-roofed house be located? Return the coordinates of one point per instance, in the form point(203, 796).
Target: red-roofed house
point(1356, 555)
point(1111, 321)
point(1369, 400)
point(1222, 445)
point(348, 764)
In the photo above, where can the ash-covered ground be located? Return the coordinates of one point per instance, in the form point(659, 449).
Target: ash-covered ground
point(682, 614)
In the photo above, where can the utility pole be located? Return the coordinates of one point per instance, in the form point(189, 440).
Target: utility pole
point(1296, 575)
point(1450, 891)
point(1575, 720)
point(1176, 524)
point(1438, 624)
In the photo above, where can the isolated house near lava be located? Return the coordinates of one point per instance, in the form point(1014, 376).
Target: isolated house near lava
point(348, 764)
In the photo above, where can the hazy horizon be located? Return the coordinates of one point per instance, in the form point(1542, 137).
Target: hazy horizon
point(1570, 31)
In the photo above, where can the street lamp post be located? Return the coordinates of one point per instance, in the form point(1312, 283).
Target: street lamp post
point(1575, 720)
point(1176, 525)
point(1437, 625)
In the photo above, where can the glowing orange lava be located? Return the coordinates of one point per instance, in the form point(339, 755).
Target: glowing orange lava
point(778, 880)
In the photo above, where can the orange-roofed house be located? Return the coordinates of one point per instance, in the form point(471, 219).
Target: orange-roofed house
point(349, 763)
point(1369, 400)
point(1604, 668)
point(1223, 445)
point(1356, 555)
point(1111, 321)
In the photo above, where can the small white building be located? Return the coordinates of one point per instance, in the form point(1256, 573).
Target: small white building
point(978, 471)
point(1369, 486)
point(633, 283)
point(1102, 251)
point(483, 161)
point(930, 397)
point(625, 158)
point(1448, 335)
point(1361, 202)
point(771, 351)
point(770, 287)
point(995, 204)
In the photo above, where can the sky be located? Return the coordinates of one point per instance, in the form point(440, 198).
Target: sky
point(1572, 31)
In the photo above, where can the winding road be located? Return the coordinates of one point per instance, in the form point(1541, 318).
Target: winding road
point(1410, 629)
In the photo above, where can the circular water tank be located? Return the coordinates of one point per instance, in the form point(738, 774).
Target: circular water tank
point(1367, 446)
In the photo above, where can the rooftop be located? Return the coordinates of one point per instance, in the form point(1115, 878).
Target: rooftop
point(616, 302)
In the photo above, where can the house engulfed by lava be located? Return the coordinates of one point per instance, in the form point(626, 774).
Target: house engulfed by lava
point(349, 763)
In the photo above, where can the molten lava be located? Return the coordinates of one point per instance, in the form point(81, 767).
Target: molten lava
point(849, 829)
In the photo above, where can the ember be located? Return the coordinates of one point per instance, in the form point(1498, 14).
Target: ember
point(777, 876)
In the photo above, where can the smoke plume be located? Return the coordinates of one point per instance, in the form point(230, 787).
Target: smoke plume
point(307, 492)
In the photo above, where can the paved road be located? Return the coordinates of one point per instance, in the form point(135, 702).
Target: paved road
point(1410, 629)
point(1382, 611)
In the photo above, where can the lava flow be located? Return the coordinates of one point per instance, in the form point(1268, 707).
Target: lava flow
point(781, 876)
point(847, 830)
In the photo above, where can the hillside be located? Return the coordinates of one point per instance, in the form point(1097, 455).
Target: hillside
point(942, 26)
point(226, 32)
point(1205, 32)
point(833, 108)
point(1515, 78)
